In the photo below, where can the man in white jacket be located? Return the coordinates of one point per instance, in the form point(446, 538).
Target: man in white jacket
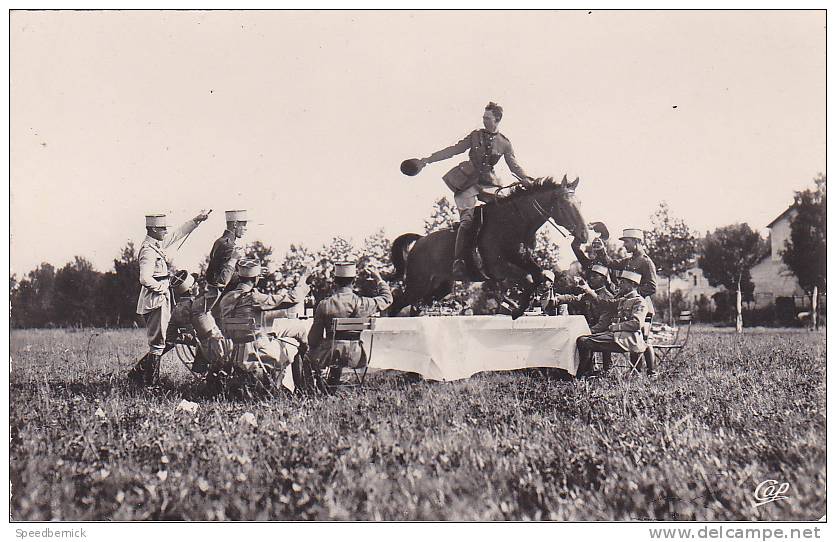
point(154, 302)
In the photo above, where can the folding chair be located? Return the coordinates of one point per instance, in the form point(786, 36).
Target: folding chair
point(347, 350)
point(241, 331)
point(664, 350)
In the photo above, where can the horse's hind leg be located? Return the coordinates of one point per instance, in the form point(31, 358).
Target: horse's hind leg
point(439, 288)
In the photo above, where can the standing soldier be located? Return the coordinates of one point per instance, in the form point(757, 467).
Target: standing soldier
point(638, 262)
point(225, 253)
point(154, 302)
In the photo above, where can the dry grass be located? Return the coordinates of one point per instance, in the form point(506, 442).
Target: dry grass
point(691, 445)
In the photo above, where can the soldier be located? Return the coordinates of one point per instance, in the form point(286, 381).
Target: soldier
point(225, 253)
point(193, 311)
point(154, 302)
point(246, 301)
point(473, 177)
point(344, 303)
point(637, 262)
point(623, 334)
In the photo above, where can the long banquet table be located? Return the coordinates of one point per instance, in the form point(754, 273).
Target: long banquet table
point(456, 347)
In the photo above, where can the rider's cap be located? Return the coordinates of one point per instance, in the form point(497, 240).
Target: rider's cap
point(631, 276)
point(248, 268)
point(345, 269)
point(238, 215)
point(183, 282)
point(412, 167)
point(600, 269)
point(632, 233)
point(548, 275)
point(156, 220)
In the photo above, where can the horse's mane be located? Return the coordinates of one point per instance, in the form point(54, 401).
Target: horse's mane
point(537, 185)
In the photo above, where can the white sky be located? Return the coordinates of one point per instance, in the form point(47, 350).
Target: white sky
point(304, 117)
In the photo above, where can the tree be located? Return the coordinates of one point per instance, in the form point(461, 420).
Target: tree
point(260, 252)
point(546, 251)
point(671, 245)
point(727, 256)
point(32, 301)
point(76, 300)
point(120, 288)
point(806, 249)
point(443, 216)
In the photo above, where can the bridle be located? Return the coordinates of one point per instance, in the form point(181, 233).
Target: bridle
point(547, 215)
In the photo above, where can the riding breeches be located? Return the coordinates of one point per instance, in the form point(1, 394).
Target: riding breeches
point(466, 199)
point(156, 325)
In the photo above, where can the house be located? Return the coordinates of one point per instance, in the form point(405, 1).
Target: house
point(771, 277)
point(692, 284)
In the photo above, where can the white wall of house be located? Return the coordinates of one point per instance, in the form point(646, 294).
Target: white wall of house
point(771, 276)
point(691, 283)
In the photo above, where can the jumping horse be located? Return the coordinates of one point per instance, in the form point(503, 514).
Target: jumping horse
point(505, 241)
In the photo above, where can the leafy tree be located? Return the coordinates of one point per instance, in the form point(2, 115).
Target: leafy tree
point(76, 299)
point(31, 302)
point(260, 252)
point(120, 288)
point(671, 245)
point(442, 216)
point(806, 249)
point(546, 251)
point(727, 256)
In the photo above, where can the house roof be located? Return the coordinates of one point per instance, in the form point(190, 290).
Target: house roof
point(781, 216)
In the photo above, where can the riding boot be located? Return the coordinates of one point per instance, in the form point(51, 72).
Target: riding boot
point(137, 373)
point(585, 366)
point(200, 364)
point(464, 243)
point(606, 360)
point(478, 267)
point(152, 370)
point(650, 360)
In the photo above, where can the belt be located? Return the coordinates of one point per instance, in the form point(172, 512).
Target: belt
point(164, 277)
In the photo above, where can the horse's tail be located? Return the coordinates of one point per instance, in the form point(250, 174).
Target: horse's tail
point(400, 249)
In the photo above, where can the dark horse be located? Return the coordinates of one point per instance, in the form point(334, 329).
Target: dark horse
point(506, 244)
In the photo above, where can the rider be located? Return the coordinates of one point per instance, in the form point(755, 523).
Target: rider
point(154, 302)
point(472, 177)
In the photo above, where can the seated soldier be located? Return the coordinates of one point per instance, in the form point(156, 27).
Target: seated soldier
point(600, 315)
point(624, 332)
point(265, 353)
point(344, 303)
point(193, 312)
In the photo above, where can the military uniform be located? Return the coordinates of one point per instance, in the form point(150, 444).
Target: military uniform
point(224, 255)
point(344, 303)
point(246, 301)
point(625, 334)
point(193, 312)
point(154, 302)
point(469, 178)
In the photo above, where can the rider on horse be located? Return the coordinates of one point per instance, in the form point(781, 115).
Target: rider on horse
point(471, 178)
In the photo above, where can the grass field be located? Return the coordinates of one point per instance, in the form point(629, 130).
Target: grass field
point(694, 444)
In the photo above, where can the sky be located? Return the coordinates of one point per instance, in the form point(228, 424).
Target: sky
point(304, 117)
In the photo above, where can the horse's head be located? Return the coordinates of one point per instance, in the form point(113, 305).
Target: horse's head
point(564, 209)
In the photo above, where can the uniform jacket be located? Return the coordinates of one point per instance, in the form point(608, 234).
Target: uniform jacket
point(485, 149)
point(222, 258)
point(638, 263)
point(246, 301)
point(629, 314)
point(152, 269)
point(344, 303)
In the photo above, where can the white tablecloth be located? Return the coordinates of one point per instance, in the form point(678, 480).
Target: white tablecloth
point(456, 347)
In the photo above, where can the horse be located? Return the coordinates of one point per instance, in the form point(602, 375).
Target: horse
point(505, 241)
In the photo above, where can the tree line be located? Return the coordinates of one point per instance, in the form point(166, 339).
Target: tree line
point(79, 295)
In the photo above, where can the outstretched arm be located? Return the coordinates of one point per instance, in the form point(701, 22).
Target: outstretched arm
point(449, 152)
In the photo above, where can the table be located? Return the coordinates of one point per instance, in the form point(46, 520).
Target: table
point(457, 347)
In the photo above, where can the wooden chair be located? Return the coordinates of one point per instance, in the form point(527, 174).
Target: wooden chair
point(676, 346)
point(241, 331)
point(347, 350)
